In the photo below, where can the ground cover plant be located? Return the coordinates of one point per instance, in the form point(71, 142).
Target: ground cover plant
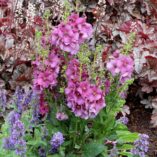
point(66, 67)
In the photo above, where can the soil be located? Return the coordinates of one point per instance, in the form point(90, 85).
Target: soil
point(139, 120)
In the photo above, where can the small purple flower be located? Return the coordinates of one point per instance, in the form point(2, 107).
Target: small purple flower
point(42, 152)
point(113, 151)
point(61, 116)
point(8, 144)
point(20, 147)
point(116, 54)
point(43, 41)
point(64, 37)
point(141, 146)
point(73, 70)
point(84, 89)
point(57, 140)
point(124, 120)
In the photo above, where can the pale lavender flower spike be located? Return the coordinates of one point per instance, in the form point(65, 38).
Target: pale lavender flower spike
point(56, 141)
point(141, 146)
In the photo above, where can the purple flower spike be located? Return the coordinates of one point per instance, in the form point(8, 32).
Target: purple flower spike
point(12, 117)
point(21, 147)
point(15, 141)
point(57, 140)
point(141, 146)
point(8, 144)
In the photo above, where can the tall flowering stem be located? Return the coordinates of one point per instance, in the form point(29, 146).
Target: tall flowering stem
point(85, 99)
point(46, 71)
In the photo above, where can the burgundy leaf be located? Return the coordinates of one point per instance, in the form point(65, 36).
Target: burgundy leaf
point(152, 62)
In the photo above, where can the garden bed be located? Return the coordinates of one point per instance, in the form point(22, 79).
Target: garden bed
point(73, 72)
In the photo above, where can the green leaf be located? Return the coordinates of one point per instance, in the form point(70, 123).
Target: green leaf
point(38, 34)
point(126, 136)
point(125, 147)
point(93, 149)
point(36, 143)
point(128, 154)
point(121, 126)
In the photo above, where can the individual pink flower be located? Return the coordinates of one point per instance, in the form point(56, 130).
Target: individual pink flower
point(53, 61)
point(124, 77)
point(96, 93)
point(70, 90)
point(84, 89)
